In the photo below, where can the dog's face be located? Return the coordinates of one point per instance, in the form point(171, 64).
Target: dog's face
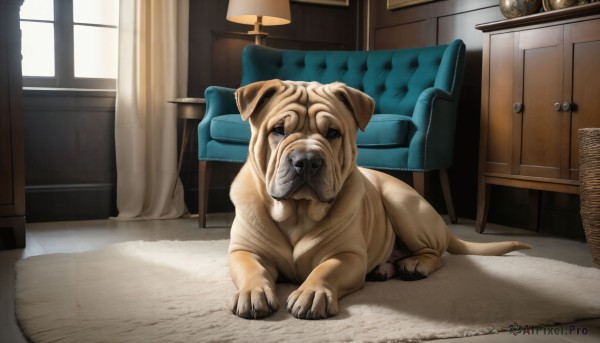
point(303, 143)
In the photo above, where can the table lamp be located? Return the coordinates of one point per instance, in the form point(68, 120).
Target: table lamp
point(259, 13)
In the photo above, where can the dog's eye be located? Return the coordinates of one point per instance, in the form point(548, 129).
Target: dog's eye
point(278, 130)
point(333, 133)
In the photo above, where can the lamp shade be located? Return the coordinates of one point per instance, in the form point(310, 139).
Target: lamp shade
point(273, 12)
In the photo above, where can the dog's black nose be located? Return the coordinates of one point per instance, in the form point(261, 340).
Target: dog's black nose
point(307, 164)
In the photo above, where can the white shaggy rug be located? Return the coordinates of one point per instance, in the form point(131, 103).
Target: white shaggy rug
point(178, 292)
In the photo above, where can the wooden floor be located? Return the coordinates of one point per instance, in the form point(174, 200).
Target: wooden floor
point(67, 237)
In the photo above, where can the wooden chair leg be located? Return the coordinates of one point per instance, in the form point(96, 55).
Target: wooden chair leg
point(204, 169)
point(483, 203)
point(447, 195)
point(419, 182)
point(419, 186)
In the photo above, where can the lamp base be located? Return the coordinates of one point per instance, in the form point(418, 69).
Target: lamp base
point(259, 36)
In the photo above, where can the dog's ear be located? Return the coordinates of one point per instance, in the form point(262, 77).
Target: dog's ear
point(250, 98)
point(359, 103)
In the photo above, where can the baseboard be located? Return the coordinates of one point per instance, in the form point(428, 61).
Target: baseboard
point(70, 202)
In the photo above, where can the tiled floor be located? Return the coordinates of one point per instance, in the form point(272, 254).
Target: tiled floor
point(46, 238)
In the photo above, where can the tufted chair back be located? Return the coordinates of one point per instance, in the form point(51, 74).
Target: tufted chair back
point(416, 94)
point(393, 78)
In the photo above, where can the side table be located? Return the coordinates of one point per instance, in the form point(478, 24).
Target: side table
point(187, 109)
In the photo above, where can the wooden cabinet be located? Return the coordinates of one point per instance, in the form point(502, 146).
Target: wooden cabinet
point(12, 180)
point(540, 85)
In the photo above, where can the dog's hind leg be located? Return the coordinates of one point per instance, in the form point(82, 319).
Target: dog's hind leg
point(419, 266)
point(388, 270)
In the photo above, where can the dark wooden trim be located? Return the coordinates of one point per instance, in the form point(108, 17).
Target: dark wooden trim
point(534, 179)
point(534, 183)
point(70, 187)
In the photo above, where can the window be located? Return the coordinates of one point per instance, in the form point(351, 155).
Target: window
point(70, 43)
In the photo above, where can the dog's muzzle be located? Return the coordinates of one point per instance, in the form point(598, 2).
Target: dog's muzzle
point(301, 176)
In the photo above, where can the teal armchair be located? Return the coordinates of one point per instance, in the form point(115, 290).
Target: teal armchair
point(416, 94)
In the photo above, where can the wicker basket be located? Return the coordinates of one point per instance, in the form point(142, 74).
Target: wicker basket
point(589, 178)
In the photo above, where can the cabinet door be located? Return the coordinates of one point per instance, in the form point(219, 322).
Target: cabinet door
point(537, 129)
point(582, 85)
point(497, 101)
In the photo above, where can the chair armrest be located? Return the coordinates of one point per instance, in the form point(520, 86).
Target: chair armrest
point(219, 101)
point(434, 119)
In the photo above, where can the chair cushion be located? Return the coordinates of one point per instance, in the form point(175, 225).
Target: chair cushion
point(230, 128)
point(385, 131)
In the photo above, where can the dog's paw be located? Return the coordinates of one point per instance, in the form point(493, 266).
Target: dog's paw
point(254, 303)
point(418, 267)
point(312, 303)
point(382, 272)
point(406, 275)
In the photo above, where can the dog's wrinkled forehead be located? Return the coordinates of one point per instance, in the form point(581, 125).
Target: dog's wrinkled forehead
point(251, 99)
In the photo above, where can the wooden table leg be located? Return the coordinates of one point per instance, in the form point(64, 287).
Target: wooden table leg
point(182, 147)
point(483, 203)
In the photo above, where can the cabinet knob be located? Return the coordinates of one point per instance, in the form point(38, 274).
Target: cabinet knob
point(518, 107)
point(566, 106)
point(557, 106)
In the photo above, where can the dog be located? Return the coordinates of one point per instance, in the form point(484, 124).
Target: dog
point(305, 213)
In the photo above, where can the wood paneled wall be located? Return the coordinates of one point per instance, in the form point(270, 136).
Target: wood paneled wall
point(430, 23)
point(216, 44)
point(70, 171)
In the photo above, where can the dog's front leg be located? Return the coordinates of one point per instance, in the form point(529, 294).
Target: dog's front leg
point(255, 281)
point(317, 297)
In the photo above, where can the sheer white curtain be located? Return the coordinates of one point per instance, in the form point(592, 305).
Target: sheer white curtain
point(153, 43)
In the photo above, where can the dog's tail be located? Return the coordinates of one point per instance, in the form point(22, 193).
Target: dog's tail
point(459, 247)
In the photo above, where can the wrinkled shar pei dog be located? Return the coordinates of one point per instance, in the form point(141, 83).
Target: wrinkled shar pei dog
point(305, 213)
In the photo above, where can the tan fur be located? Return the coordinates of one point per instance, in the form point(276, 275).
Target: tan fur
point(328, 233)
